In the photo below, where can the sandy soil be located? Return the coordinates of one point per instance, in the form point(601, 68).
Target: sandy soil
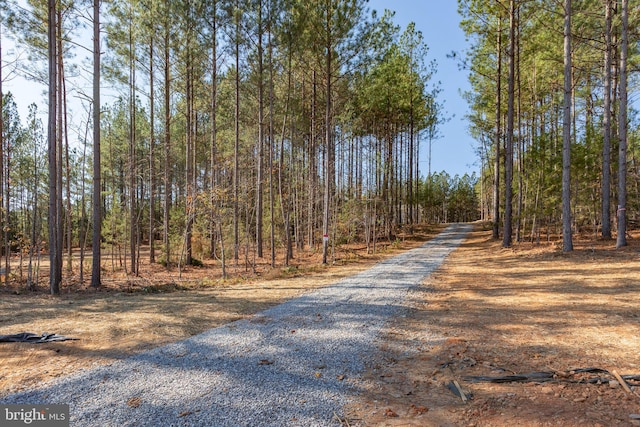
point(495, 312)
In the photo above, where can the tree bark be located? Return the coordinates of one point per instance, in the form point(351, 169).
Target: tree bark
point(3, 216)
point(567, 240)
point(133, 203)
point(152, 148)
point(236, 145)
point(328, 155)
point(55, 259)
point(622, 130)
point(167, 142)
point(59, 150)
point(498, 138)
point(214, 121)
point(97, 177)
point(508, 197)
point(520, 140)
point(260, 142)
point(82, 232)
point(606, 149)
point(272, 232)
point(68, 213)
point(311, 156)
point(190, 200)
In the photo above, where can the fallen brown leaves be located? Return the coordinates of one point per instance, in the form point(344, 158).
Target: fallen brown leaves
point(390, 413)
point(134, 402)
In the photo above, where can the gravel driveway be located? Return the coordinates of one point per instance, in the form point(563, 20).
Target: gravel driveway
point(296, 364)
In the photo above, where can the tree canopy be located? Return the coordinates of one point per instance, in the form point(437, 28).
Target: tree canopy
point(232, 121)
point(568, 87)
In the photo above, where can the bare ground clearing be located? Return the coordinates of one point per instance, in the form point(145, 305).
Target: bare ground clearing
point(490, 311)
point(129, 315)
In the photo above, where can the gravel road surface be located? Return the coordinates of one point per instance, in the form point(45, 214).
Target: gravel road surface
point(296, 364)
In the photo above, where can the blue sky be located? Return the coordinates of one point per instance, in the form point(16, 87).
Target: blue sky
point(438, 21)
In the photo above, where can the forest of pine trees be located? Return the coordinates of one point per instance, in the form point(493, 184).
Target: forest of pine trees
point(559, 140)
point(239, 129)
point(234, 129)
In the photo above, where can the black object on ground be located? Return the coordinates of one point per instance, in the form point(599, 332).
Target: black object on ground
point(554, 376)
point(34, 338)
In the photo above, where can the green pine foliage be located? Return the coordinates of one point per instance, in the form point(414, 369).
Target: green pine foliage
point(539, 92)
point(331, 98)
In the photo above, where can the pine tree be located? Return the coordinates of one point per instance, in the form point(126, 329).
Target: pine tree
point(622, 129)
point(96, 240)
point(55, 214)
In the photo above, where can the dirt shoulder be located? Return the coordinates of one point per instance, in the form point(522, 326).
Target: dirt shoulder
point(129, 315)
point(493, 312)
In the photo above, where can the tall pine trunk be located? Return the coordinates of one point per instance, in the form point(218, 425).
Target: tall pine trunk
point(190, 154)
point(3, 225)
point(68, 213)
point(567, 240)
point(508, 163)
point(498, 137)
point(606, 148)
point(272, 233)
point(214, 123)
point(133, 203)
point(152, 148)
point(260, 142)
point(97, 177)
point(311, 156)
point(167, 144)
point(622, 130)
point(328, 154)
point(236, 145)
point(520, 141)
point(55, 258)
